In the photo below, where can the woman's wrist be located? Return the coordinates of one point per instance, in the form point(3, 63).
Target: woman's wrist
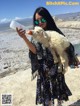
point(30, 45)
point(24, 37)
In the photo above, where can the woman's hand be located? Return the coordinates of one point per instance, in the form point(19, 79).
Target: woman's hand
point(21, 33)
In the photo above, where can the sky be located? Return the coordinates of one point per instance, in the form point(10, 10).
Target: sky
point(17, 9)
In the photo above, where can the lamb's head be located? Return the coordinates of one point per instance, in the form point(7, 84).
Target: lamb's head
point(38, 33)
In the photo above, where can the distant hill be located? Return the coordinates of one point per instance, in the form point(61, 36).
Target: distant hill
point(69, 16)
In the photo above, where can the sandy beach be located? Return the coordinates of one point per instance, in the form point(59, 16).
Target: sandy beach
point(15, 72)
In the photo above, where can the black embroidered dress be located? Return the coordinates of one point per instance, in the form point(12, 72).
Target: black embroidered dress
point(50, 83)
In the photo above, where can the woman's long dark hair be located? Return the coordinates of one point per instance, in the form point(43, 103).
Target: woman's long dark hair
point(50, 21)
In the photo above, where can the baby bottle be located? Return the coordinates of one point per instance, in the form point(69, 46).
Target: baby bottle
point(15, 25)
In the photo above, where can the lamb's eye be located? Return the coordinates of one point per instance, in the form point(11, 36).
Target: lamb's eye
point(37, 31)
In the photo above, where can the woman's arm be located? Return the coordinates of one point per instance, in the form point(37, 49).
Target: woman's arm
point(21, 33)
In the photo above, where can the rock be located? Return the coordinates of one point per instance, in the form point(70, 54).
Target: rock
point(23, 90)
point(21, 87)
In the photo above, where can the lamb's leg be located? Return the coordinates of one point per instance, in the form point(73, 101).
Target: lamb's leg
point(60, 66)
point(54, 55)
point(64, 61)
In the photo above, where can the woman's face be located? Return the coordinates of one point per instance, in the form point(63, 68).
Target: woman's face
point(43, 23)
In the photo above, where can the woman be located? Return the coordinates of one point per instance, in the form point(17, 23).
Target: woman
point(50, 83)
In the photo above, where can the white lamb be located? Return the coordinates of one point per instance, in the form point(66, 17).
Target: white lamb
point(56, 42)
